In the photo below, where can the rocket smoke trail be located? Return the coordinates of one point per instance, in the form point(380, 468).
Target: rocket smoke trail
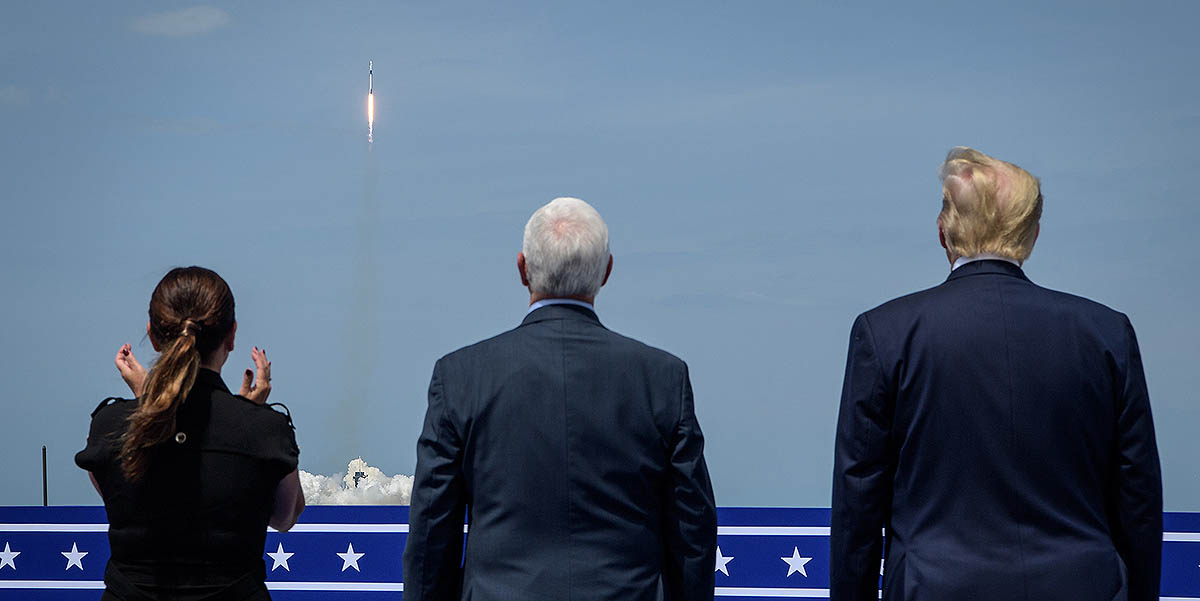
point(370, 102)
point(362, 323)
point(352, 414)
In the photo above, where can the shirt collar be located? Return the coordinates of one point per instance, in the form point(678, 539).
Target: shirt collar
point(959, 262)
point(210, 378)
point(545, 302)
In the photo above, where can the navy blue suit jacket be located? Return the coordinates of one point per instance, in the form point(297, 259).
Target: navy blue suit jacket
point(1001, 433)
point(578, 458)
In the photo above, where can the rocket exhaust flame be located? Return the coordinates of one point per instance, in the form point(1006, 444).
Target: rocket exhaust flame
point(370, 102)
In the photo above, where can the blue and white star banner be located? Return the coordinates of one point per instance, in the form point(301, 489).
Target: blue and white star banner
point(353, 553)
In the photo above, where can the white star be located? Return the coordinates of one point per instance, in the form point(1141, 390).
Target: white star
point(74, 557)
point(280, 557)
point(796, 563)
point(7, 557)
point(350, 558)
point(722, 562)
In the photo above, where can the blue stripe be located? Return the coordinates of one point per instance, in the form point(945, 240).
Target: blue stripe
point(757, 540)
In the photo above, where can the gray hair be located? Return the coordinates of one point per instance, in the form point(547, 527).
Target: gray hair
point(566, 249)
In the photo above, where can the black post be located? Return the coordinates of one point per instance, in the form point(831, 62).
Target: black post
point(45, 498)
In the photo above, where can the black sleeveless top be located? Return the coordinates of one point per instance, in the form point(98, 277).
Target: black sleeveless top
point(196, 523)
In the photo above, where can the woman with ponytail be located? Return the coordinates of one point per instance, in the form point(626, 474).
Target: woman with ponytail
point(191, 475)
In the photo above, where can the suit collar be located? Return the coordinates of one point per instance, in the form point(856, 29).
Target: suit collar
point(560, 301)
point(987, 266)
point(549, 312)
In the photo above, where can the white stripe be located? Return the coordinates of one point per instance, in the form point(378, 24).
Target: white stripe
point(1181, 537)
point(745, 591)
point(53, 527)
point(720, 591)
point(276, 586)
point(1169, 537)
point(343, 528)
point(386, 528)
point(53, 584)
point(358, 587)
point(773, 530)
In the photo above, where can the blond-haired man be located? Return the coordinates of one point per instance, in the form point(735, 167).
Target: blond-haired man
point(998, 431)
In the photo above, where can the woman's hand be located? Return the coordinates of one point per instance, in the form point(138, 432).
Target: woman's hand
point(256, 385)
point(131, 370)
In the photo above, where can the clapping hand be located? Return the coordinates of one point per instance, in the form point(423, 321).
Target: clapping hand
point(256, 385)
point(131, 370)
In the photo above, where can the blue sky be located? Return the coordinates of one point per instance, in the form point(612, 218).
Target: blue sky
point(767, 170)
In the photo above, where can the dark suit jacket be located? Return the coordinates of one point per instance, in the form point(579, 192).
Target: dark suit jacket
point(577, 456)
point(1001, 433)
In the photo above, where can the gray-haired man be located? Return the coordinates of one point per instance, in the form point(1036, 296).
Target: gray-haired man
point(574, 451)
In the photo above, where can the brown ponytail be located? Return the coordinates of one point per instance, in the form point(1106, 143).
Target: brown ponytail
point(191, 315)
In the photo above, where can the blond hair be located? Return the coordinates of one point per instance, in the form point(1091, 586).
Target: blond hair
point(988, 205)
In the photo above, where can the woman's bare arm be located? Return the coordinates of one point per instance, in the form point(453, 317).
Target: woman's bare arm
point(289, 502)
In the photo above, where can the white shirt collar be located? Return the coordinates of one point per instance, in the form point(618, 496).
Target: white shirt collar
point(982, 257)
point(560, 301)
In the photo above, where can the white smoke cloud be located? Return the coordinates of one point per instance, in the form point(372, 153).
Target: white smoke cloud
point(184, 22)
point(372, 488)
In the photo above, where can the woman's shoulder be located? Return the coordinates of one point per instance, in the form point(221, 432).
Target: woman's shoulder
point(246, 415)
point(264, 431)
point(244, 407)
point(109, 420)
point(113, 410)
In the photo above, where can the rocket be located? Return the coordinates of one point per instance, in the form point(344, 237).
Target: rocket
point(370, 101)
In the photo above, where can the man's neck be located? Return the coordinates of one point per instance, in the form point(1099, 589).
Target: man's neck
point(538, 304)
point(957, 262)
point(535, 297)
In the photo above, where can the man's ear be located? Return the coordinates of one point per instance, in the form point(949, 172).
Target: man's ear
point(607, 272)
point(521, 269)
point(942, 235)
